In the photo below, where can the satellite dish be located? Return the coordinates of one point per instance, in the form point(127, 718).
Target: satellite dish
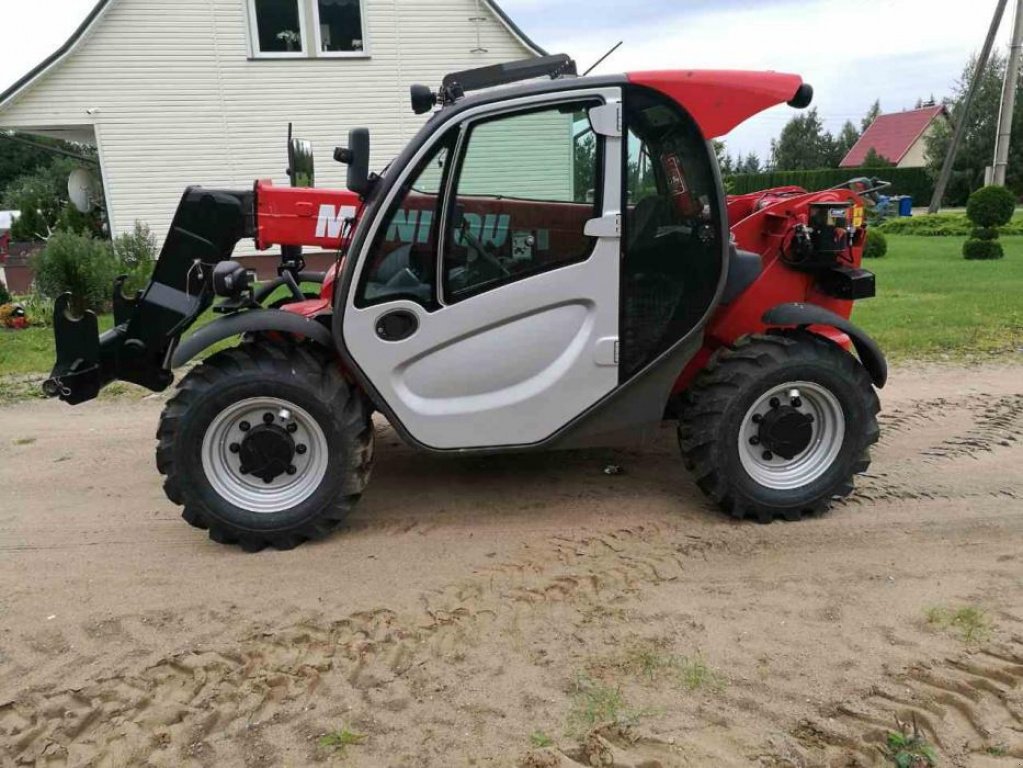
point(81, 189)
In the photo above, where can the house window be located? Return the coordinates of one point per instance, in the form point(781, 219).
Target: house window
point(339, 27)
point(307, 28)
point(278, 27)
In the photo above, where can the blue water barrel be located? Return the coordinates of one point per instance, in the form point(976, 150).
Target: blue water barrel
point(905, 206)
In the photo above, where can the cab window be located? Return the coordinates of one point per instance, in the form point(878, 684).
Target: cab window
point(402, 261)
point(527, 184)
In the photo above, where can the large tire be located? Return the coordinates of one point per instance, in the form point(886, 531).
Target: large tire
point(298, 504)
point(728, 408)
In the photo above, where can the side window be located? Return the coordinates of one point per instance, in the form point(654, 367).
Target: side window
point(402, 261)
point(279, 27)
point(527, 184)
point(673, 243)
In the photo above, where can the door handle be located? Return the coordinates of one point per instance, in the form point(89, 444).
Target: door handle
point(397, 325)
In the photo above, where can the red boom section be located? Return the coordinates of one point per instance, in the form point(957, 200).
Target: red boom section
point(719, 100)
point(302, 215)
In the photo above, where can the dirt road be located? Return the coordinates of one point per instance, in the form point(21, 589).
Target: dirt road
point(491, 612)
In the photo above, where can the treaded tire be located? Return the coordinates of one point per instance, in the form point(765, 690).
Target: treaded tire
point(300, 373)
point(724, 392)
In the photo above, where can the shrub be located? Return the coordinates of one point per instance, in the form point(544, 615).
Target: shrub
point(976, 250)
point(942, 225)
point(135, 253)
point(876, 246)
point(38, 309)
point(984, 233)
point(991, 206)
point(78, 264)
point(915, 182)
point(5, 295)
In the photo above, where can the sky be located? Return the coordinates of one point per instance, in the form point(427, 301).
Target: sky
point(851, 52)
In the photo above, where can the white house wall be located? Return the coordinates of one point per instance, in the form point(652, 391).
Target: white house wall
point(177, 100)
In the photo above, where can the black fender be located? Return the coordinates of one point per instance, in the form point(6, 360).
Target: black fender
point(250, 321)
point(801, 315)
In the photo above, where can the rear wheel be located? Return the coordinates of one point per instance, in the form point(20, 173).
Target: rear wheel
point(266, 444)
point(778, 426)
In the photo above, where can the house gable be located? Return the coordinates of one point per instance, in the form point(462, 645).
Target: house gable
point(894, 135)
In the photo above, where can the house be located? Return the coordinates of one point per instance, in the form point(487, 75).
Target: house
point(180, 92)
point(899, 137)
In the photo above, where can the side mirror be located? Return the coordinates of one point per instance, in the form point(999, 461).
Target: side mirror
point(356, 157)
point(300, 163)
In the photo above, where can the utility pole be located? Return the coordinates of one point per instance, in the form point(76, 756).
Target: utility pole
point(1008, 100)
point(957, 134)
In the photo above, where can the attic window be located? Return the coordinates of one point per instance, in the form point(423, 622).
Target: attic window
point(339, 27)
point(278, 27)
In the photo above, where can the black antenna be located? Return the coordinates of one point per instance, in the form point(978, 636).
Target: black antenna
point(601, 59)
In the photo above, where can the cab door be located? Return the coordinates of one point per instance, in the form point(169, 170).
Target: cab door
point(484, 307)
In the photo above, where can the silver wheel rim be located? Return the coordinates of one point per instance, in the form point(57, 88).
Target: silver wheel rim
point(223, 466)
point(827, 436)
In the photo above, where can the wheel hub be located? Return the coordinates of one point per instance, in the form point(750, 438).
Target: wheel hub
point(267, 452)
point(786, 431)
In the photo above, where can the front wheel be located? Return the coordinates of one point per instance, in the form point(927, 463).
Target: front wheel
point(778, 426)
point(266, 444)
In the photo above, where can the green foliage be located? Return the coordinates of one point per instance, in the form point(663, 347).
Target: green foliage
point(982, 250)
point(978, 142)
point(872, 114)
point(914, 182)
point(991, 206)
point(846, 139)
point(135, 252)
point(972, 623)
point(594, 703)
point(907, 748)
point(585, 164)
point(539, 739)
point(984, 233)
point(876, 246)
point(17, 159)
point(803, 145)
point(42, 198)
point(874, 160)
point(943, 225)
point(79, 264)
point(340, 740)
point(5, 296)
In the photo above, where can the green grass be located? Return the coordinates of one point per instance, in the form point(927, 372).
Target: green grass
point(340, 740)
point(971, 623)
point(932, 303)
point(539, 739)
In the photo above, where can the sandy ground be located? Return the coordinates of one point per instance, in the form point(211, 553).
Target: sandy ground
point(491, 612)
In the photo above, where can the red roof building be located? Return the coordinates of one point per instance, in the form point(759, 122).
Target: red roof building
point(898, 137)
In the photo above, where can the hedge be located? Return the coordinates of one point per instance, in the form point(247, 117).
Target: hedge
point(915, 182)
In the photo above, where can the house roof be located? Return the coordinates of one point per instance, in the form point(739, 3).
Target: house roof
point(98, 9)
point(892, 135)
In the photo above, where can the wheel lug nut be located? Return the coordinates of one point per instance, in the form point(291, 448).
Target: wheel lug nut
point(757, 418)
point(768, 455)
point(809, 417)
point(268, 418)
point(235, 448)
point(291, 469)
point(300, 449)
point(243, 470)
point(754, 440)
point(796, 402)
point(293, 427)
point(775, 402)
point(267, 479)
point(245, 426)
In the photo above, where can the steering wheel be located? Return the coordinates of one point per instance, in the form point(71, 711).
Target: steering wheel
point(477, 245)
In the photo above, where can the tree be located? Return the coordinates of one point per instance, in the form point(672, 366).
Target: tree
point(847, 138)
point(872, 114)
point(803, 145)
point(42, 198)
point(749, 164)
point(978, 142)
point(874, 160)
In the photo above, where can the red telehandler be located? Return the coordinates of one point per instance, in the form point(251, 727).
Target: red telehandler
point(550, 263)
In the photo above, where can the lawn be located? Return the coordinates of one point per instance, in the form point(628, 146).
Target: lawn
point(932, 303)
